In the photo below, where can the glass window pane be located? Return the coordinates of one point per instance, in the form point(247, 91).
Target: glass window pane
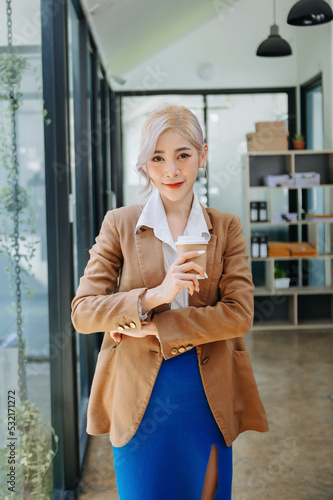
point(314, 118)
point(24, 283)
point(230, 118)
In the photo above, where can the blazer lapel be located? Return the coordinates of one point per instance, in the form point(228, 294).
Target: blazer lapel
point(150, 255)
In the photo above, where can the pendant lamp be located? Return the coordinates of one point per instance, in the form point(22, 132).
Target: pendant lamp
point(274, 45)
point(309, 13)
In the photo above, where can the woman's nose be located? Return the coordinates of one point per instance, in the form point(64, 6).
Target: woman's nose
point(172, 168)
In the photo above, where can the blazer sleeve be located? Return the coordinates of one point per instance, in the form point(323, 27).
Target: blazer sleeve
point(230, 317)
point(96, 308)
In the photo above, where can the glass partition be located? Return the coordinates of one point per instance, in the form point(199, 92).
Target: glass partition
point(314, 118)
point(229, 119)
point(26, 434)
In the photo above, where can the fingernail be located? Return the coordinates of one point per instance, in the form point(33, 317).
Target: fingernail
point(206, 275)
point(201, 251)
point(198, 289)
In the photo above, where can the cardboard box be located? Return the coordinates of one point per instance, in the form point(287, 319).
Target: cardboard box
point(267, 141)
point(275, 127)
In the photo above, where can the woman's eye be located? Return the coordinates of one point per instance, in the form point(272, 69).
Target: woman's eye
point(184, 155)
point(157, 158)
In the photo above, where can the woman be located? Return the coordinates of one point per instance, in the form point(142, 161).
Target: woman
point(173, 383)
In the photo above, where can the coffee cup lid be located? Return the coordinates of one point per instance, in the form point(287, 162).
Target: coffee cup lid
point(191, 240)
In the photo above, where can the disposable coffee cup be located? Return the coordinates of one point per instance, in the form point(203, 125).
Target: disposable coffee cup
point(190, 244)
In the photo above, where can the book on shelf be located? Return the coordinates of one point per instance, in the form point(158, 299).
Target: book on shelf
point(319, 217)
point(302, 249)
point(291, 249)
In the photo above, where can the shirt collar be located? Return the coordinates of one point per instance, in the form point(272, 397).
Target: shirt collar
point(153, 215)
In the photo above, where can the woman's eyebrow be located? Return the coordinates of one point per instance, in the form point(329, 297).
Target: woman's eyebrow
point(182, 148)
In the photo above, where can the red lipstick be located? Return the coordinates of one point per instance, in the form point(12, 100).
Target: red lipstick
point(174, 185)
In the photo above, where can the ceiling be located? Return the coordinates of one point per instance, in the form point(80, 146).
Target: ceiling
point(128, 32)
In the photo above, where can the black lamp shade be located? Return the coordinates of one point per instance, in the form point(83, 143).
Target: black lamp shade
point(274, 45)
point(310, 12)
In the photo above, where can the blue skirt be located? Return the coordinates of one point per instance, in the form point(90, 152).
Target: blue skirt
point(167, 457)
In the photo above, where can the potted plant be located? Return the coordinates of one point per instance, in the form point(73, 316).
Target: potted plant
point(299, 141)
point(280, 277)
point(34, 451)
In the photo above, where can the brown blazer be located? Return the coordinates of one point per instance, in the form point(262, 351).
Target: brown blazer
point(214, 322)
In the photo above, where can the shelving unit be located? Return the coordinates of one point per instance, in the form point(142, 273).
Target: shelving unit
point(308, 302)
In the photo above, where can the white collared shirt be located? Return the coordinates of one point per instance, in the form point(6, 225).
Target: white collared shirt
point(153, 215)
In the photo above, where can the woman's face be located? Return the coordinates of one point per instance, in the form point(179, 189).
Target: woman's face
point(174, 166)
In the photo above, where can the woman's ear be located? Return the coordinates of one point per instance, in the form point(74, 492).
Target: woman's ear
point(203, 157)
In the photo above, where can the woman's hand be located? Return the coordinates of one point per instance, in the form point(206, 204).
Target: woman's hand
point(116, 336)
point(147, 329)
point(178, 277)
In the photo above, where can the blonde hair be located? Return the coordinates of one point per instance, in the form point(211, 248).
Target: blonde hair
point(166, 117)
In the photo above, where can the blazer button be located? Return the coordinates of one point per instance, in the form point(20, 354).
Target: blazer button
point(190, 346)
point(132, 324)
point(182, 349)
point(120, 328)
point(126, 326)
point(205, 360)
point(174, 351)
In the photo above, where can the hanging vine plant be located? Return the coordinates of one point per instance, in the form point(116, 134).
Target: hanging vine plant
point(18, 243)
point(13, 198)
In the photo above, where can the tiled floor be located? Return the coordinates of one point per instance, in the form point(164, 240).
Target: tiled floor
point(294, 461)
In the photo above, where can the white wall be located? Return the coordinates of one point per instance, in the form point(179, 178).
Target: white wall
point(229, 42)
point(314, 56)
